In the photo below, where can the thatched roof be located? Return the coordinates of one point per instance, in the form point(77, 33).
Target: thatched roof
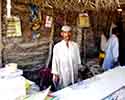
point(122, 2)
point(74, 5)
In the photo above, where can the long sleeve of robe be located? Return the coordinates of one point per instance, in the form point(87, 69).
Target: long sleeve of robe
point(103, 42)
point(65, 62)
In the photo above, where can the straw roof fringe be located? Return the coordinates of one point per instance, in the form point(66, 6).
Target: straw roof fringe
point(74, 5)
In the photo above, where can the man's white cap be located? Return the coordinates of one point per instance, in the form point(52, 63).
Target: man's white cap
point(66, 28)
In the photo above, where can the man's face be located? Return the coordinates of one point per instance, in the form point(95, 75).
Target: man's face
point(66, 35)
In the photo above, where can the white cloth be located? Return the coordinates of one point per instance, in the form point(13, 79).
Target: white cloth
point(12, 88)
point(112, 52)
point(99, 87)
point(65, 62)
point(103, 42)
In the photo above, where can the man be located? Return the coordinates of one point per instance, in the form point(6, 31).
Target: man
point(66, 60)
point(112, 51)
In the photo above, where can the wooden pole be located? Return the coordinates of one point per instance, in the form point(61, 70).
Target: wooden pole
point(51, 41)
point(0, 32)
point(85, 49)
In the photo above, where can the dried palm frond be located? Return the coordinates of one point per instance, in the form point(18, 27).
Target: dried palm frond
point(107, 4)
point(78, 5)
point(74, 5)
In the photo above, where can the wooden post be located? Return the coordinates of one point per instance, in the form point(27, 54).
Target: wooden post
point(51, 41)
point(85, 51)
point(0, 32)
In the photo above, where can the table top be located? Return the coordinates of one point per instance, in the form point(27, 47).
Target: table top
point(95, 88)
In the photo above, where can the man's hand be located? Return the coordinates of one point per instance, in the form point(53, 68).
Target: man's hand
point(55, 78)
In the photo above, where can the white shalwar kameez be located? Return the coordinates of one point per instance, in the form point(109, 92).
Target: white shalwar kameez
point(65, 62)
